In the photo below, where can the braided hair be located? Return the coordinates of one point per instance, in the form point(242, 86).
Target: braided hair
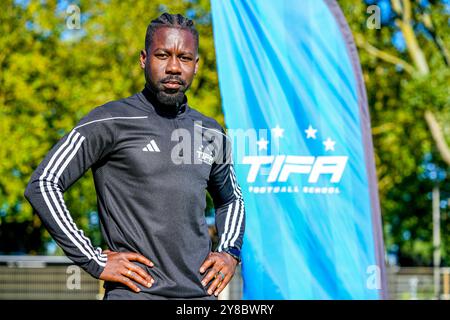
point(172, 21)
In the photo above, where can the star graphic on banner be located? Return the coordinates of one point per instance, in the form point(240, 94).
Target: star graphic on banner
point(311, 133)
point(329, 144)
point(262, 144)
point(278, 132)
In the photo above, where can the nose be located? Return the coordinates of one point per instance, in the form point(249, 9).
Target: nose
point(173, 66)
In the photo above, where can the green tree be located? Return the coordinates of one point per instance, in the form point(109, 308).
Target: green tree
point(406, 70)
point(52, 76)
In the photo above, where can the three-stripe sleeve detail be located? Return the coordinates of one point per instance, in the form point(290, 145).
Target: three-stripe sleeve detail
point(48, 184)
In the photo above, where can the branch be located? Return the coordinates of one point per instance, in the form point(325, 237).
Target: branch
point(385, 127)
point(396, 6)
point(362, 43)
point(438, 136)
point(428, 23)
point(406, 11)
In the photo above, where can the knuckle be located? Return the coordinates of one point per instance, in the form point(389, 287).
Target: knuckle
point(142, 275)
point(137, 277)
point(139, 271)
point(146, 276)
point(208, 277)
point(129, 256)
point(131, 266)
point(130, 283)
point(124, 280)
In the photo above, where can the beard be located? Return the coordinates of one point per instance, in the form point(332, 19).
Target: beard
point(165, 96)
point(168, 97)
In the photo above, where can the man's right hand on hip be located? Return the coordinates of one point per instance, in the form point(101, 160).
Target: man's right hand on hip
point(119, 268)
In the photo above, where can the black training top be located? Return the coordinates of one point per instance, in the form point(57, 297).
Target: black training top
point(151, 168)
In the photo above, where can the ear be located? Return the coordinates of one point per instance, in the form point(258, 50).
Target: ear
point(196, 64)
point(143, 59)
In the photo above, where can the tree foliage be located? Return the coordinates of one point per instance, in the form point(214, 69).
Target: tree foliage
point(407, 75)
point(52, 76)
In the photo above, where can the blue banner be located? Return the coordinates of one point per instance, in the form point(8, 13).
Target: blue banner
point(296, 108)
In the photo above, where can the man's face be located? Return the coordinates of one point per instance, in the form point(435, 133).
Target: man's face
point(170, 64)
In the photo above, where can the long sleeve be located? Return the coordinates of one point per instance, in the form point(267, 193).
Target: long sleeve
point(90, 141)
point(228, 201)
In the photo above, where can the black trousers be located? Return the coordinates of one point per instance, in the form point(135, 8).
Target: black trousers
point(125, 294)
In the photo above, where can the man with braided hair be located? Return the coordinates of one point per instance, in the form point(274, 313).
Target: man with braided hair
point(150, 182)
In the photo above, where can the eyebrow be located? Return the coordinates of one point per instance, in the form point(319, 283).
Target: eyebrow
point(168, 50)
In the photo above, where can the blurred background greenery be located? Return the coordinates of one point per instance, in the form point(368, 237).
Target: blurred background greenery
point(51, 76)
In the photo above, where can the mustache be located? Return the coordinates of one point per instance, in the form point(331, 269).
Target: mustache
point(171, 78)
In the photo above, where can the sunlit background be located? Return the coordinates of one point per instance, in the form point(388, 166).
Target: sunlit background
point(60, 59)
